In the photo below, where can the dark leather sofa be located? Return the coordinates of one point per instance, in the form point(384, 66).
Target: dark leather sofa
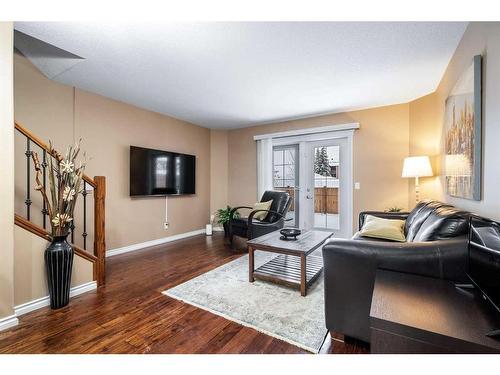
point(436, 246)
point(252, 228)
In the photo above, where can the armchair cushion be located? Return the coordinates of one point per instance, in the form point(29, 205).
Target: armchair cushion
point(263, 208)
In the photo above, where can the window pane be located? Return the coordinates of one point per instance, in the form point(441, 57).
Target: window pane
point(278, 157)
point(289, 183)
point(278, 172)
point(290, 156)
point(290, 171)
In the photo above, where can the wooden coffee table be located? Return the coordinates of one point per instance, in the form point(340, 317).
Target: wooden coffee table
point(292, 267)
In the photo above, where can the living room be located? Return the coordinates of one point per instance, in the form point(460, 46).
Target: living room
point(250, 187)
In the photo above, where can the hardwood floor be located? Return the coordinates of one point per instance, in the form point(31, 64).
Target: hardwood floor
point(130, 315)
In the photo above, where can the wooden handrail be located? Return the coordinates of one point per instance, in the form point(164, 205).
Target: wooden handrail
point(42, 145)
point(40, 232)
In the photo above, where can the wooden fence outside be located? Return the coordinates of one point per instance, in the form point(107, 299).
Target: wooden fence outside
point(326, 200)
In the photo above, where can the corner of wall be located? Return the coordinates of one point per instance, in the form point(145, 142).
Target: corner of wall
point(7, 173)
point(219, 169)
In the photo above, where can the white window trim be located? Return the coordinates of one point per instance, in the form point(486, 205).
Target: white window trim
point(308, 131)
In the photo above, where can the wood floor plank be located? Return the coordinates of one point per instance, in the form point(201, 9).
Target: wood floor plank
point(131, 315)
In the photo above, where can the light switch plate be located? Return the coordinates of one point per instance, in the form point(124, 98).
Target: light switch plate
point(357, 185)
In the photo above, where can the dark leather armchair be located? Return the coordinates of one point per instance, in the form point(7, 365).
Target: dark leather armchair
point(436, 246)
point(253, 228)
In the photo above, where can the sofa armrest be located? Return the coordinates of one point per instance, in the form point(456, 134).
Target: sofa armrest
point(382, 214)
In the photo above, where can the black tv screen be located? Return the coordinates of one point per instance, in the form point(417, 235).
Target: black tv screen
point(155, 172)
point(484, 258)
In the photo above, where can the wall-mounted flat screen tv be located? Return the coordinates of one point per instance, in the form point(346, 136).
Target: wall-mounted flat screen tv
point(155, 172)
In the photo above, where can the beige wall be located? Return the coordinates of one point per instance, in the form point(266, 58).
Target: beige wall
point(30, 280)
point(6, 171)
point(219, 165)
point(380, 145)
point(108, 128)
point(425, 139)
point(479, 38)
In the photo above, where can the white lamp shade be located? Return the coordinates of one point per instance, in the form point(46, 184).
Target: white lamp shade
point(417, 166)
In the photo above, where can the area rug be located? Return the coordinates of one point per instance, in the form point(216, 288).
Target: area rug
point(275, 310)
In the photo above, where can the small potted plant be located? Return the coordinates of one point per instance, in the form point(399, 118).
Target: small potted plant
point(65, 181)
point(394, 209)
point(223, 217)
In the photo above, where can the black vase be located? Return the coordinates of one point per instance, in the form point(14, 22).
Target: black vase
point(226, 229)
point(59, 265)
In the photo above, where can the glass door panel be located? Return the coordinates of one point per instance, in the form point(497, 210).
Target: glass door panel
point(285, 177)
point(326, 162)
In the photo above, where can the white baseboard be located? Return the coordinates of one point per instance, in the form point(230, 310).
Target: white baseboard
point(8, 322)
point(159, 241)
point(45, 301)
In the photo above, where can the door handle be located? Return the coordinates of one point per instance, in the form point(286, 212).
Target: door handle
point(309, 197)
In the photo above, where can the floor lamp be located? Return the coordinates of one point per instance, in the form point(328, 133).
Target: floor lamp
point(417, 166)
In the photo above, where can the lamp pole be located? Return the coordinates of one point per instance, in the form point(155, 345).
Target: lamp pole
point(417, 190)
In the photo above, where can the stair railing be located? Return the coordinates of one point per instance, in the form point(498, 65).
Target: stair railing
point(95, 187)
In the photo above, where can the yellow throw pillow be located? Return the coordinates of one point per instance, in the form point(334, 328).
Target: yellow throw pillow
point(262, 206)
point(387, 229)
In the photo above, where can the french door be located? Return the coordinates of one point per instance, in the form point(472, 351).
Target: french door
point(325, 202)
point(317, 175)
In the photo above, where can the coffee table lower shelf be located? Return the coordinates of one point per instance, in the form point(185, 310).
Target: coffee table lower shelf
point(286, 270)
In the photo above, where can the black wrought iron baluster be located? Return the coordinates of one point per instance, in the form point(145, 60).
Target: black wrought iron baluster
point(72, 226)
point(28, 170)
point(45, 211)
point(84, 234)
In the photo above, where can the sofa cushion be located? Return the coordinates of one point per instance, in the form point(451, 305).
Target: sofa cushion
point(377, 227)
point(443, 223)
point(418, 215)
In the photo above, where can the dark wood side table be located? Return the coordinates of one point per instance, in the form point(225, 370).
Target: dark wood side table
point(292, 267)
point(416, 314)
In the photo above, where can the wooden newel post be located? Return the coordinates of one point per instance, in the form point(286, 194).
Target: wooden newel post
point(99, 227)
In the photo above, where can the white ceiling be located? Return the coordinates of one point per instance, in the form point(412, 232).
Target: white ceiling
point(230, 75)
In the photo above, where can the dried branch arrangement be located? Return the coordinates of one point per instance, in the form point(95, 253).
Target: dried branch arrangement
point(65, 181)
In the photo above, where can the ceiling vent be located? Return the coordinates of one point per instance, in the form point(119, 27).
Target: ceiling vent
point(49, 59)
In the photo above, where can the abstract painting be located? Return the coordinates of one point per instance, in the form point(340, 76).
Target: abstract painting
point(463, 135)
